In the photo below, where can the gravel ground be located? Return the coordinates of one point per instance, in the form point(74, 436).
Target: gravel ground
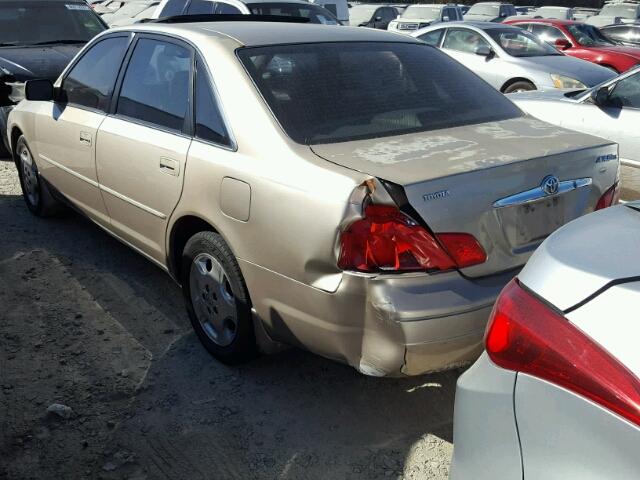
point(88, 324)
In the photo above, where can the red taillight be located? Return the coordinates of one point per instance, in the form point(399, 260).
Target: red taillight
point(388, 240)
point(610, 197)
point(528, 336)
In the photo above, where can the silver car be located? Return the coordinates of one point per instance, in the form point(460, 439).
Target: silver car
point(354, 192)
point(512, 59)
point(557, 395)
point(610, 110)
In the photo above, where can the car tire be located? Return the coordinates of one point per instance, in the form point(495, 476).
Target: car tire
point(217, 299)
point(35, 190)
point(521, 86)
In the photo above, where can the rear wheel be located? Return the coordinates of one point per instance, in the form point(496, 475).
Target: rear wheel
point(521, 86)
point(35, 191)
point(217, 299)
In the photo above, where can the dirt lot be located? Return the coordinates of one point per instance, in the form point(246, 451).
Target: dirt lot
point(88, 324)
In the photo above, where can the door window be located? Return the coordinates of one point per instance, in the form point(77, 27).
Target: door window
point(91, 81)
point(209, 123)
point(226, 9)
point(547, 33)
point(433, 37)
point(626, 93)
point(155, 88)
point(172, 8)
point(200, 7)
point(463, 40)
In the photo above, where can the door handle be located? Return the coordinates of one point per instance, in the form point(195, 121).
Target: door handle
point(169, 166)
point(85, 138)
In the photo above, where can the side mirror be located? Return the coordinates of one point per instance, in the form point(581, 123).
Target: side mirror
point(483, 50)
point(601, 96)
point(562, 44)
point(38, 90)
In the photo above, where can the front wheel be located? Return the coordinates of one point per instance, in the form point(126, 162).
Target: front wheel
point(522, 86)
point(35, 192)
point(217, 299)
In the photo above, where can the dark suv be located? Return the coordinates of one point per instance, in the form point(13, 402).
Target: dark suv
point(38, 38)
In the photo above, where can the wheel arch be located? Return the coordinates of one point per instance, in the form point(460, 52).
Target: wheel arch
point(511, 81)
point(16, 132)
point(182, 230)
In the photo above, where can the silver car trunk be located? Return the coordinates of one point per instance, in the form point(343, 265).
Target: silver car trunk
point(487, 179)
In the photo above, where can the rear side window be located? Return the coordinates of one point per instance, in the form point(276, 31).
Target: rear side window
point(226, 9)
point(209, 123)
point(91, 81)
point(334, 92)
point(200, 7)
point(155, 88)
point(432, 38)
point(173, 8)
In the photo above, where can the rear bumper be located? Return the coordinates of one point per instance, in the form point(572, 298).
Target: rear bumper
point(381, 325)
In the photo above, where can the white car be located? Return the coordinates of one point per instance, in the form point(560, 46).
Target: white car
point(512, 59)
point(616, 12)
point(557, 395)
point(610, 110)
point(423, 15)
point(129, 10)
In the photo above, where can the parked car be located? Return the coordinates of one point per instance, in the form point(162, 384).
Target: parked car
point(581, 14)
point(464, 8)
point(610, 110)
point(559, 389)
point(146, 14)
point(352, 191)
point(582, 41)
point(108, 6)
point(293, 8)
point(490, 12)
point(38, 38)
point(129, 10)
point(559, 13)
point(628, 34)
point(512, 59)
point(616, 13)
point(372, 15)
point(421, 15)
point(524, 10)
point(339, 8)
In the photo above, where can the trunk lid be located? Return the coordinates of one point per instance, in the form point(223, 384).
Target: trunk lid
point(454, 177)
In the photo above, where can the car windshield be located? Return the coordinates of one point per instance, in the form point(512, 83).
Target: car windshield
point(418, 12)
point(47, 22)
point(483, 9)
point(336, 92)
point(624, 11)
point(314, 13)
point(361, 14)
point(588, 35)
point(520, 43)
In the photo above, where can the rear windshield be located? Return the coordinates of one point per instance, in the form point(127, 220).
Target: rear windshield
point(314, 13)
point(47, 22)
point(336, 92)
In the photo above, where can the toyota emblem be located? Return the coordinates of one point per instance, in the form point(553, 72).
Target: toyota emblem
point(550, 185)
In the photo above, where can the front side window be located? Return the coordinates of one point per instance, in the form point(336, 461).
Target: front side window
point(226, 9)
point(42, 22)
point(626, 93)
point(173, 8)
point(314, 13)
point(209, 123)
point(91, 81)
point(341, 91)
point(432, 38)
point(155, 88)
point(520, 43)
point(463, 40)
point(547, 33)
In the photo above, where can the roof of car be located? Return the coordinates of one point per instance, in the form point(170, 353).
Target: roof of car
point(480, 25)
point(270, 33)
point(552, 21)
point(275, 1)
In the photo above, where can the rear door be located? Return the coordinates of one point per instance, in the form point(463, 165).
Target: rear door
point(66, 132)
point(142, 148)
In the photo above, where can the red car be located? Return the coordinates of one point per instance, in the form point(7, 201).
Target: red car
point(582, 41)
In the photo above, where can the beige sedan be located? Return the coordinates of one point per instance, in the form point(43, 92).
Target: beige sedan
point(351, 191)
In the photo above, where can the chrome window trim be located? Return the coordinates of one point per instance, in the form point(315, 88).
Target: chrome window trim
point(535, 194)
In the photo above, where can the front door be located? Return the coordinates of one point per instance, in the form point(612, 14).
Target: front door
point(66, 129)
point(142, 148)
point(461, 44)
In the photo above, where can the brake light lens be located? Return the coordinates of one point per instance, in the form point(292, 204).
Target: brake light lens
point(526, 335)
point(610, 197)
point(388, 240)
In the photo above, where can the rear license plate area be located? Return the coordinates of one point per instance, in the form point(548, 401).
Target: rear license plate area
point(537, 220)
